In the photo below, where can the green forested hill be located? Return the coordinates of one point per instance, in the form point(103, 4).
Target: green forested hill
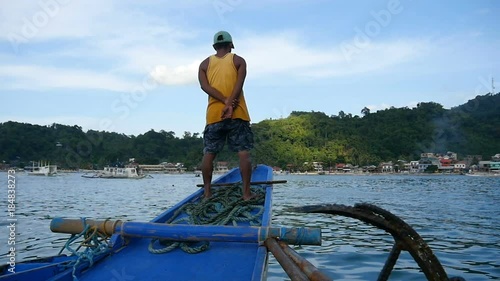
point(476, 126)
point(392, 134)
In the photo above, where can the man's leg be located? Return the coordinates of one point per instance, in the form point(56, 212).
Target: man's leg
point(207, 167)
point(246, 174)
point(213, 142)
point(240, 139)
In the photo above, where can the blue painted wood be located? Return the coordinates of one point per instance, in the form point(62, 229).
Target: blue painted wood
point(246, 234)
point(187, 232)
point(131, 260)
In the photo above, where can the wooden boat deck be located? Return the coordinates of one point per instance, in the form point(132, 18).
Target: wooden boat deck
point(222, 261)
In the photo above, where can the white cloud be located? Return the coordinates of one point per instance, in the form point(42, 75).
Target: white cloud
point(275, 53)
point(56, 19)
point(374, 58)
point(50, 19)
point(126, 40)
point(183, 74)
point(40, 78)
point(284, 54)
point(383, 106)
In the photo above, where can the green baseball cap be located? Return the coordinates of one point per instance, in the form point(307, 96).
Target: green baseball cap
point(223, 37)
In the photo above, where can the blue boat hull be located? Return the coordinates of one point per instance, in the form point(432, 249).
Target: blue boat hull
point(130, 259)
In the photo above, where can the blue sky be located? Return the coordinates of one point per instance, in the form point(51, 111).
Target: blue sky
point(131, 66)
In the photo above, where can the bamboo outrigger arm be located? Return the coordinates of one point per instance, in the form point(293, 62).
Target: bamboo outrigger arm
point(295, 266)
point(186, 232)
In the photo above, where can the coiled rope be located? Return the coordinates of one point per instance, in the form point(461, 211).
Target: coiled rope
point(226, 206)
point(95, 244)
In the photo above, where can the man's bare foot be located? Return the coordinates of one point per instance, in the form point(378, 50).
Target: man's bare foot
point(207, 195)
point(250, 196)
point(207, 192)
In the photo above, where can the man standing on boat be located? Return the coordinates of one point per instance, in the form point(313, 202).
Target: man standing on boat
point(221, 76)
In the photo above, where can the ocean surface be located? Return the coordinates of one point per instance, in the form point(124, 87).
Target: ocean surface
point(458, 216)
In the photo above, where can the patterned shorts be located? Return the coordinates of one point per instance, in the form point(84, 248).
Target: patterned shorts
point(237, 132)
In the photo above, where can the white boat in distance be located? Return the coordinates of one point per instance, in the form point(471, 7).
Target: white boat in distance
point(42, 170)
point(484, 174)
point(116, 173)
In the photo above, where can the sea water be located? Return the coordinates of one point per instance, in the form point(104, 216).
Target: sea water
point(458, 216)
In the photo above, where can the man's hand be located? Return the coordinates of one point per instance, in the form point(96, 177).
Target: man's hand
point(227, 112)
point(235, 102)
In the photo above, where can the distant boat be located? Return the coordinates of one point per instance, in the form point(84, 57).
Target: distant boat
point(483, 174)
point(116, 173)
point(42, 170)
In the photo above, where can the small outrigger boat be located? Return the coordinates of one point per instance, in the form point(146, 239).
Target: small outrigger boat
point(221, 238)
point(116, 173)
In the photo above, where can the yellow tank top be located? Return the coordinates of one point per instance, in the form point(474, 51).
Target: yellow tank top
point(222, 75)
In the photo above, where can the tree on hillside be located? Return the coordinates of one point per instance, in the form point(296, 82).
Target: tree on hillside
point(365, 111)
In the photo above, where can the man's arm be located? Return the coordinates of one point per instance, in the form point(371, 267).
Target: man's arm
point(205, 86)
point(241, 67)
point(232, 101)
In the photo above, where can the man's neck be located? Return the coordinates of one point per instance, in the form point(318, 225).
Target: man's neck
point(222, 52)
